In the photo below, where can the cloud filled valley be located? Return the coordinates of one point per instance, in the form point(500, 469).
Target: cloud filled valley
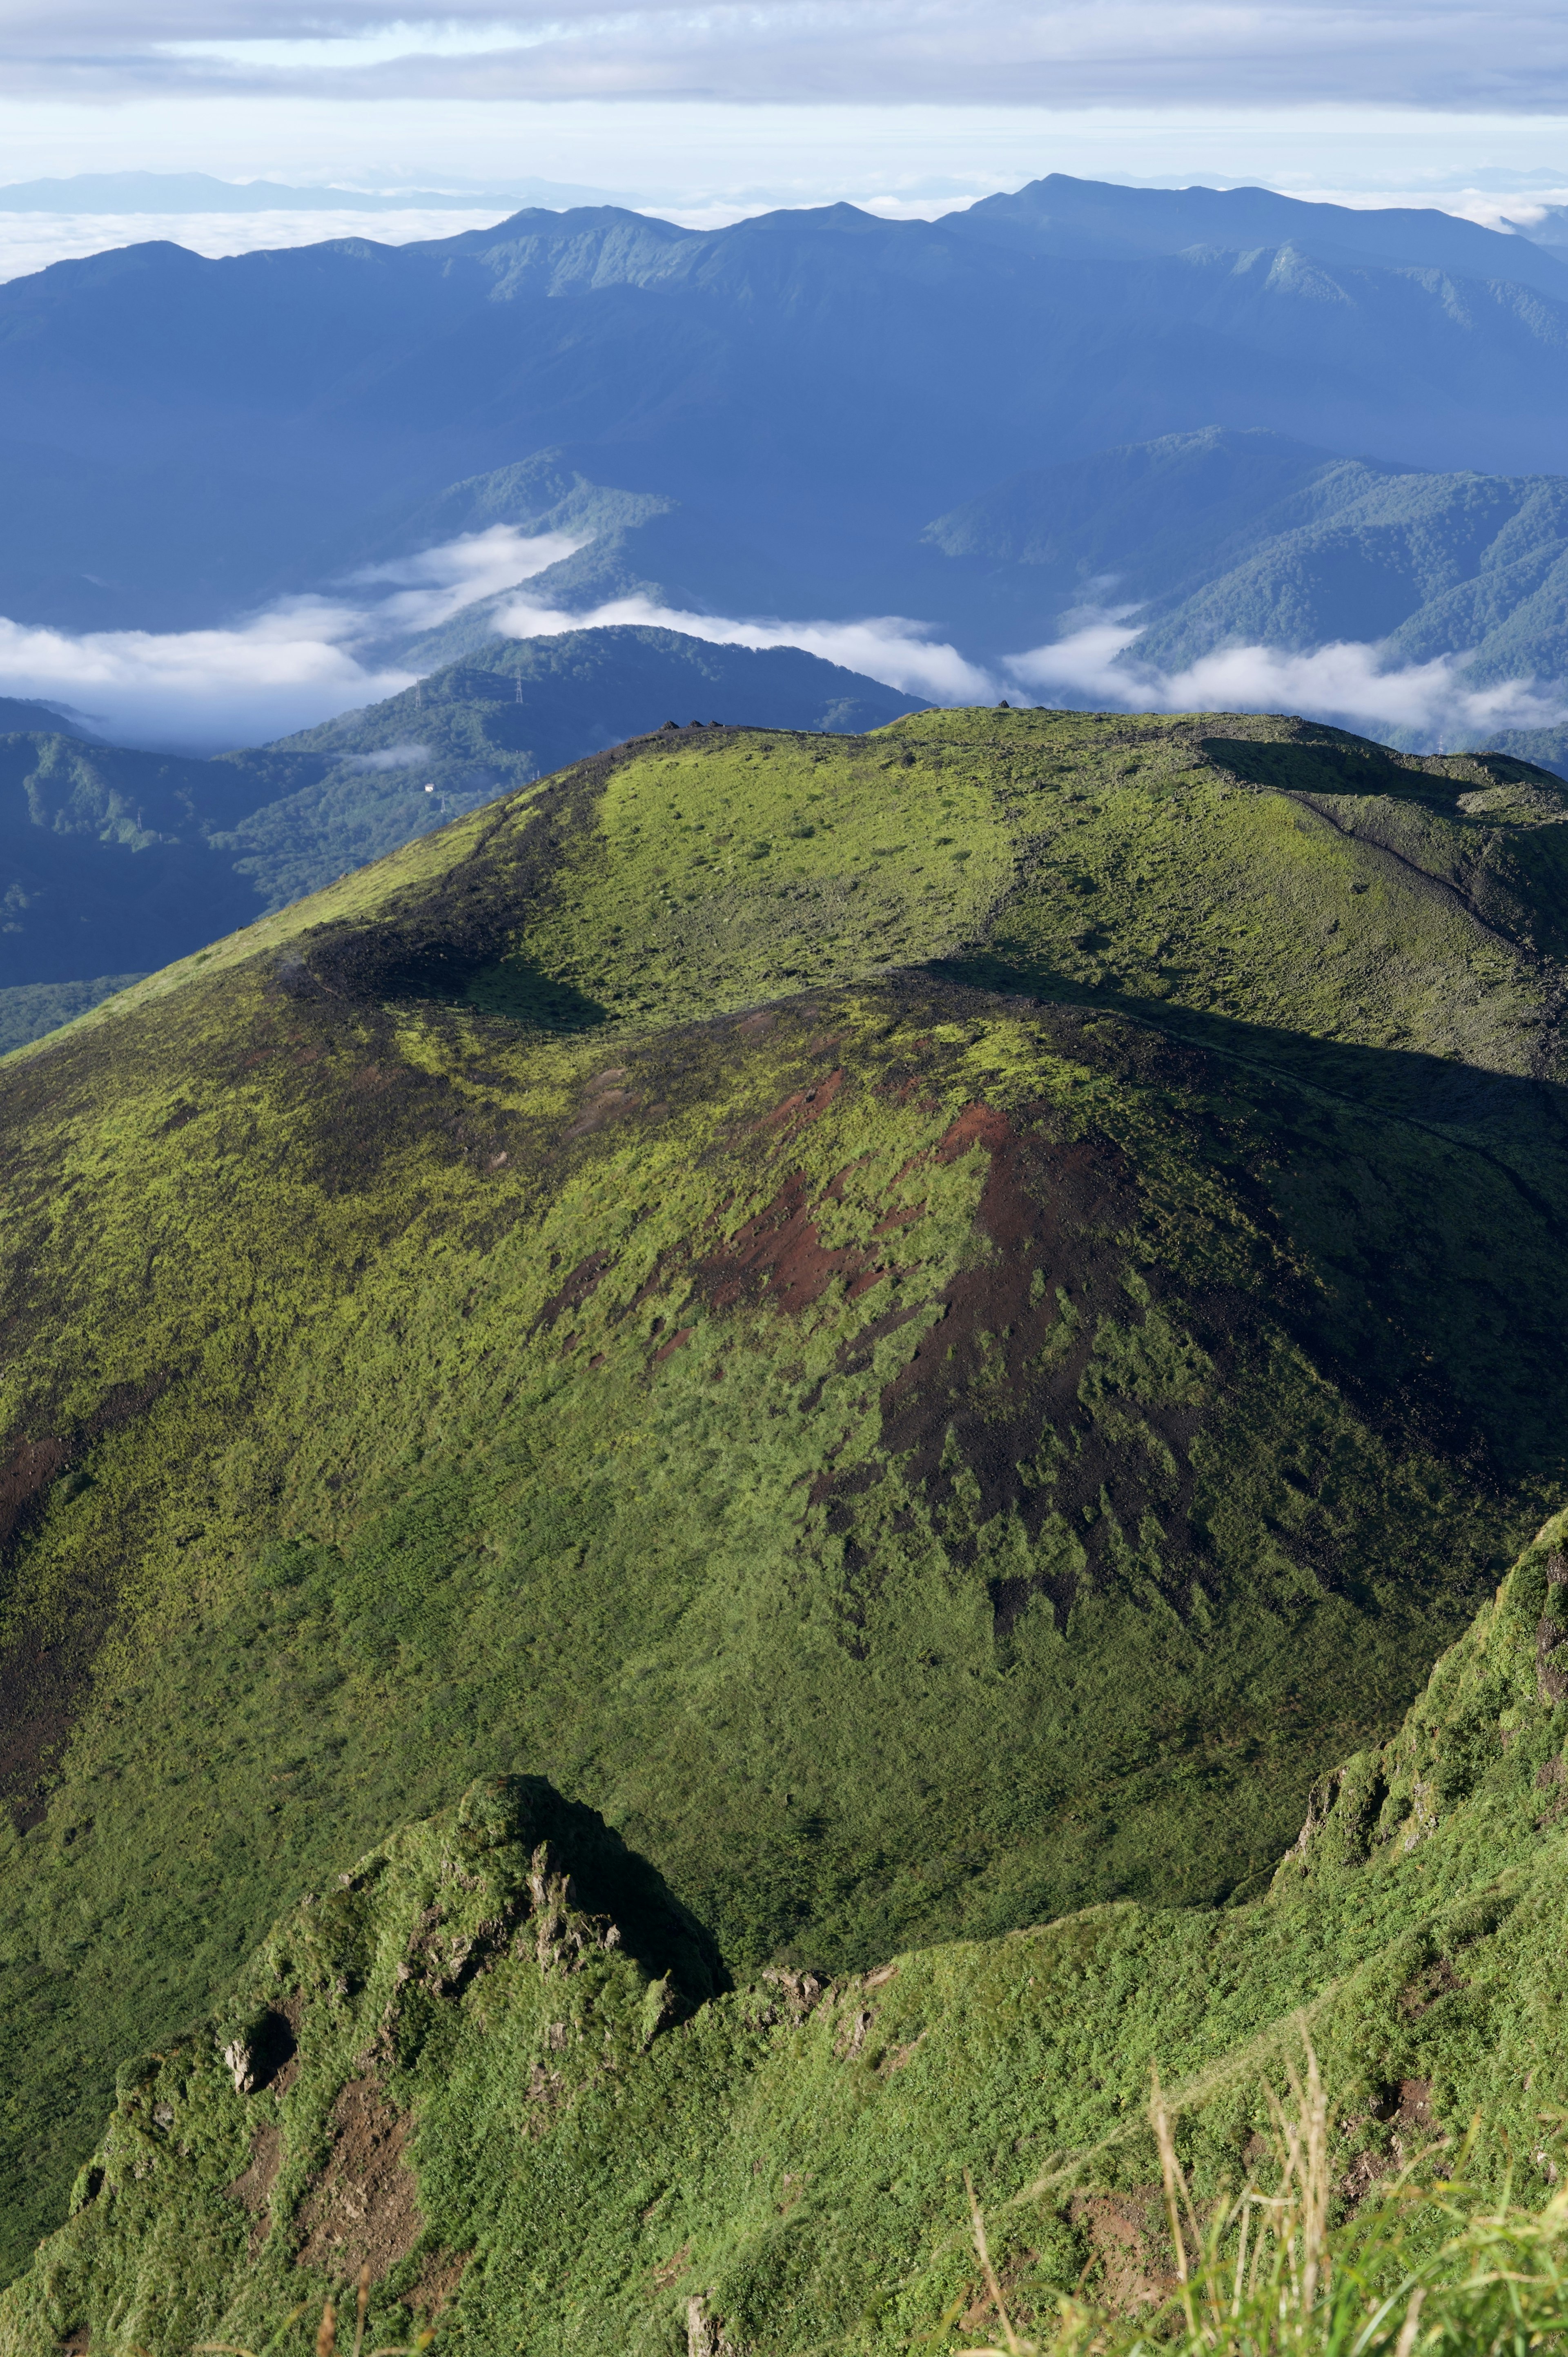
point(294, 664)
point(1360, 686)
point(310, 658)
point(307, 659)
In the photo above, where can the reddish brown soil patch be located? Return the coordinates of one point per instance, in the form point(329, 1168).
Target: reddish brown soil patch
point(1437, 1981)
point(804, 1105)
point(900, 1219)
point(976, 1126)
point(582, 1281)
point(252, 2189)
point(993, 1391)
point(1406, 2112)
point(1412, 2114)
point(603, 1105)
point(996, 1384)
point(1129, 2233)
point(778, 1254)
point(366, 2206)
point(677, 1341)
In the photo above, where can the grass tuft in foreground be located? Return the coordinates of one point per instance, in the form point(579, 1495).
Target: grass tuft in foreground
point(1423, 2267)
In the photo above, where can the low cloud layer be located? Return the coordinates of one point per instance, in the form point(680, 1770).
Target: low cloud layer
point(200, 691)
point(308, 659)
point(1436, 53)
point(301, 661)
point(1351, 683)
point(390, 757)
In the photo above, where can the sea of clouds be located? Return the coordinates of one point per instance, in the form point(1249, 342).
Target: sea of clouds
point(300, 660)
point(1352, 683)
point(307, 658)
point(33, 241)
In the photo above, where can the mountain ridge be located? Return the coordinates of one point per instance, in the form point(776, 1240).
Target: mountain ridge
point(498, 1998)
point(880, 1296)
point(880, 364)
point(156, 853)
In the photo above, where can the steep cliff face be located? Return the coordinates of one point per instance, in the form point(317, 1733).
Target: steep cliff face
point(935, 1324)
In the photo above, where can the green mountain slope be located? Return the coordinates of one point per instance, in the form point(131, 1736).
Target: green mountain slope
point(113, 861)
point(1146, 520)
point(490, 2063)
point(1436, 565)
point(935, 1324)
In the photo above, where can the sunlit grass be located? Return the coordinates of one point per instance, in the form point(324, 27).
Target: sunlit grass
point(1421, 2264)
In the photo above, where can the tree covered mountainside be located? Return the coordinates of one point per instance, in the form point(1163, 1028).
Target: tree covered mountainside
point(113, 861)
point(828, 381)
point(1246, 539)
point(934, 1324)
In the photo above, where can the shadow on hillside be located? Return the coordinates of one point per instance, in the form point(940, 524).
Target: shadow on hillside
point(1401, 1084)
point(523, 995)
point(1425, 1203)
point(510, 987)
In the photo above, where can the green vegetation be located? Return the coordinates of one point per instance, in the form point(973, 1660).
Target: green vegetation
point(1226, 538)
point(489, 2062)
point(35, 1009)
point(935, 1324)
point(149, 856)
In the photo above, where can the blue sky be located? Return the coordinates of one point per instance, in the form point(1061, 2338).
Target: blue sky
point(794, 101)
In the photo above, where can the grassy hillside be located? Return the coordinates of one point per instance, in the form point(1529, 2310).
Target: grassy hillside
point(934, 1324)
point(114, 861)
point(492, 2062)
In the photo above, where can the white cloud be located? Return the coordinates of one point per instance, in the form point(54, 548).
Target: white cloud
point(1350, 681)
point(201, 689)
point(888, 646)
point(1198, 53)
point(307, 659)
point(428, 586)
point(390, 757)
point(302, 661)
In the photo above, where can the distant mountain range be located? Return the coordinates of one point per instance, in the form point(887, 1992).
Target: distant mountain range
point(112, 862)
point(818, 384)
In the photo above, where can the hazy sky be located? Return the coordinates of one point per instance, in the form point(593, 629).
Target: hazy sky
point(793, 99)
